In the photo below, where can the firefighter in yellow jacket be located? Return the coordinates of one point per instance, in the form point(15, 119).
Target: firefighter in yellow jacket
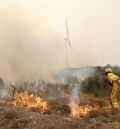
point(114, 81)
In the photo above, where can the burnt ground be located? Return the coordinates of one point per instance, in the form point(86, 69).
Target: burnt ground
point(12, 117)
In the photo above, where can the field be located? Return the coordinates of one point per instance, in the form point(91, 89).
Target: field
point(44, 105)
point(58, 117)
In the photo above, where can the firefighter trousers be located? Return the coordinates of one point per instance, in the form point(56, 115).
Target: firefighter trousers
point(114, 95)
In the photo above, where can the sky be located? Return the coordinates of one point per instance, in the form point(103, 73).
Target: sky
point(32, 33)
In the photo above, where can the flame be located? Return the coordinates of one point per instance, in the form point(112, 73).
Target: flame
point(78, 111)
point(25, 100)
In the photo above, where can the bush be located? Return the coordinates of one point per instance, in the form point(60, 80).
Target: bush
point(96, 85)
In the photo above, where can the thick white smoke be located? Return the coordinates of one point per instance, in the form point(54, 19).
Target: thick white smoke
point(27, 46)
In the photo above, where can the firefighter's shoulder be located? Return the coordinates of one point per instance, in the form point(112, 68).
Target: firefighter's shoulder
point(112, 76)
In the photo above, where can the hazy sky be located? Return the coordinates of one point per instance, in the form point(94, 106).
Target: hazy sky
point(32, 32)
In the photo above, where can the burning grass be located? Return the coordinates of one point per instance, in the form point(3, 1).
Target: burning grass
point(78, 111)
point(87, 116)
point(24, 99)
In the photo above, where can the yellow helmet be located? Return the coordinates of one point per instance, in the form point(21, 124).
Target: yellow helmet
point(108, 70)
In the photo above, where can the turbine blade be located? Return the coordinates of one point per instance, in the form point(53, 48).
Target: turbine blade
point(67, 33)
point(69, 43)
point(67, 29)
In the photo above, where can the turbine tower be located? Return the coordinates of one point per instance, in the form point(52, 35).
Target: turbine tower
point(68, 43)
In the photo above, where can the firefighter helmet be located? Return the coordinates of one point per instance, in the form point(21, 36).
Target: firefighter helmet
point(108, 70)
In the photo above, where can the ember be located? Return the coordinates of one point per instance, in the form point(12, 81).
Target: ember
point(30, 101)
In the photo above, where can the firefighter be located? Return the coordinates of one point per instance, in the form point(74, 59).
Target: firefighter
point(114, 81)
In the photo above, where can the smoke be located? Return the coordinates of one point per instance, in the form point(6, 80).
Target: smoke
point(27, 46)
point(32, 32)
point(75, 92)
point(30, 49)
point(73, 77)
point(3, 90)
point(64, 75)
point(4, 93)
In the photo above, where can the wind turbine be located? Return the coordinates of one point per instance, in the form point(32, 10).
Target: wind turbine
point(68, 43)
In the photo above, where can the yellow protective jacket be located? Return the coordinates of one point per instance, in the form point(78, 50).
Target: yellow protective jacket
point(115, 81)
point(113, 78)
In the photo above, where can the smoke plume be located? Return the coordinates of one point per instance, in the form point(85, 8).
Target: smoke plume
point(32, 33)
point(27, 46)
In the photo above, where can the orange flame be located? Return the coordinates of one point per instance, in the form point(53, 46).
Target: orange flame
point(25, 100)
point(78, 111)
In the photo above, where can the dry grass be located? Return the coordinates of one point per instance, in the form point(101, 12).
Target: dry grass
point(19, 123)
point(57, 117)
point(10, 114)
